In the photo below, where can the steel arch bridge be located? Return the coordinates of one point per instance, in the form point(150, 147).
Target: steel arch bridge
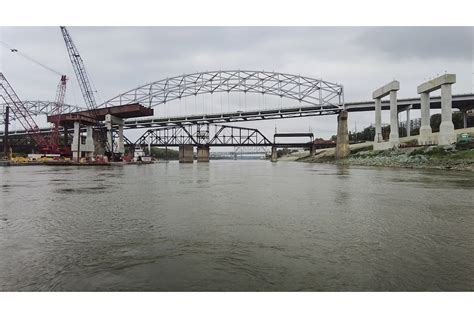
point(305, 90)
point(39, 107)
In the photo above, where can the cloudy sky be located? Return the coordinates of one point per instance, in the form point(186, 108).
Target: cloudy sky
point(360, 58)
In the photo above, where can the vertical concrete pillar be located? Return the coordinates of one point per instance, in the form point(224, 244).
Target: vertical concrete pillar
point(312, 150)
point(76, 142)
point(342, 145)
point(274, 156)
point(120, 142)
point(394, 136)
point(446, 134)
point(465, 119)
point(108, 125)
point(186, 154)
point(203, 153)
point(425, 129)
point(446, 129)
point(89, 146)
point(378, 121)
point(407, 125)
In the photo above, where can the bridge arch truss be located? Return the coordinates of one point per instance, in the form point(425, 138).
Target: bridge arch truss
point(305, 90)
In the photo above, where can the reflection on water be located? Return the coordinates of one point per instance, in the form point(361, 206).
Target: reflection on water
point(235, 225)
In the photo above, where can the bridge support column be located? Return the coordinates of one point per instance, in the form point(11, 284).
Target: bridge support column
point(394, 136)
point(342, 144)
point(120, 142)
point(203, 153)
point(110, 120)
point(90, 145)
point(425, 129)
point(407, 125)
point(274, 156)
point(76, 142)
point(464, 118)
point(312, 150)
point(378, 121)
point(446, 129)
point(394, 139)
point(186, 154)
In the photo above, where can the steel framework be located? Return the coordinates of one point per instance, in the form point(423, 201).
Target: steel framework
point(199, 135)
point(305, 90)
point(39, 107)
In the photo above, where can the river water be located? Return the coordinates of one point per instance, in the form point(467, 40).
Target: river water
point(235, 225)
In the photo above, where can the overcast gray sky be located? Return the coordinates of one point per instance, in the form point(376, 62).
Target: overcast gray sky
point(360, 58)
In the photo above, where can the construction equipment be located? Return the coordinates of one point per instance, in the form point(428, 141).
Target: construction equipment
point(57, 110)
point(86, 88)
point(23, 115)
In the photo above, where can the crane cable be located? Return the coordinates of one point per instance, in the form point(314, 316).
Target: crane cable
point(13, 50)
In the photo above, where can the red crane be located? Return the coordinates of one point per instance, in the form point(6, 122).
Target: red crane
point(22, 114)
point(57, 110)
point(24, 117)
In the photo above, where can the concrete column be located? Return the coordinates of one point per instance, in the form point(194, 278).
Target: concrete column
point(203, 153)
point(108, 125)
point(394, 137)
point(76, 142)
point(378, 121)
point(425, 129)
point(121, 143)
point(407, 125)
point(312, 150)
point(465, 119)
point(342, 145)
point(186, 154)
point(446, 129)
point(274, 156)
point(89, 146)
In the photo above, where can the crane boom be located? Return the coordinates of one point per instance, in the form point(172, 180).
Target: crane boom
point(80, 70)
point(21, 112)
point(57, 109)
point(85, 85)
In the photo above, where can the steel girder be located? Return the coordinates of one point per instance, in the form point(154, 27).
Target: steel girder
point(39, 107)
point(305, 90)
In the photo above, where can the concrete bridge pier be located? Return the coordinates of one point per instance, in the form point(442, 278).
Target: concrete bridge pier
point(407, 125)
point(89, 147)
point(394, 141)
point(186, 154)
point(274, 156)
point(312, 150)
point(203, 153)
point(76, 142)
point(446, 130)
point(110, 121)
point(342, 143)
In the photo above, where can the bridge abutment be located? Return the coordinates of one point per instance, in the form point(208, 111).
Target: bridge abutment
point(342, 145)
point(186, 154)
point(203, 153)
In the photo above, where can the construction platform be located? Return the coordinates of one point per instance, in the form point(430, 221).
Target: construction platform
point(89, 117)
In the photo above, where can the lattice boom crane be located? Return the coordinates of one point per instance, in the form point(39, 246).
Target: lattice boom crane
point(22, 114)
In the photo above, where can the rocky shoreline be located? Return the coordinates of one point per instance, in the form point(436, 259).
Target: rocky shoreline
point(459, 158)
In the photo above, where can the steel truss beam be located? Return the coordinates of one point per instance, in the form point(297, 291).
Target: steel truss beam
point(305, 90)
point(199, 135)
